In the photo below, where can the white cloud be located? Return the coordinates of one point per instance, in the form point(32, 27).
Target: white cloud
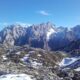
point(42, 12)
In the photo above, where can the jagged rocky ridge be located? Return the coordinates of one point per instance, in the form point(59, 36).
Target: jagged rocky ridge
point(45, 35)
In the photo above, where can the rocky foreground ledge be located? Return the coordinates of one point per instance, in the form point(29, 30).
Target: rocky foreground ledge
point(26, 63)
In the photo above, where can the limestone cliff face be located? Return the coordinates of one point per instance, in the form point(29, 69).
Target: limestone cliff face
point(44, 35)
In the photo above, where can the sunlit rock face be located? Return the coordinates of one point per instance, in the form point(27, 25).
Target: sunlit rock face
point(44, 35)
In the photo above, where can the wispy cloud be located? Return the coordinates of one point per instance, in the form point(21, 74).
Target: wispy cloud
point(44, 13)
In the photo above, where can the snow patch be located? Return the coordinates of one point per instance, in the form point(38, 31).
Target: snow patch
point(39, 55)
point(67, 61)
point(25, 58)
point(78, 69)
point(18, 53)
point(50, 32)
point(16, 77)
point(4, 57)
point(36, 64)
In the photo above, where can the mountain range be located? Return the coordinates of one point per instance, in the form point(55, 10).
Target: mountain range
point(45, 35)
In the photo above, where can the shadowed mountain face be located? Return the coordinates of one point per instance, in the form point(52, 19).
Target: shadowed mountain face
point(45, 35)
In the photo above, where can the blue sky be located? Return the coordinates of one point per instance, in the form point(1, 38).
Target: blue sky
point(60, 12)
